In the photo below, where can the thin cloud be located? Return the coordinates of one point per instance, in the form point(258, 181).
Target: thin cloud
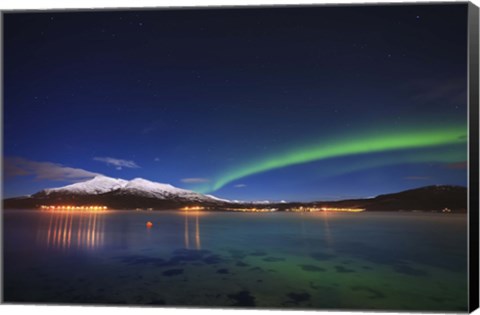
point(453, 90)
point(458, 165)
point(157, 159)
point(194, 180)
point(240, 186)
point(153, 126)
point(417, 177)
point(117, 163)
point(17, 166)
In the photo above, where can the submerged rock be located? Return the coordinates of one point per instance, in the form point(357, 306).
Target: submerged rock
point(312, 268)
point(342, 269)
point(243, 298)
point(298, 298)
point(172, 272)
point(273, 259)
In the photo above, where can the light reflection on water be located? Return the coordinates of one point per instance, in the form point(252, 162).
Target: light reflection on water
point(83, 230)
point(336, 260)
point(324, 218)
point(86, 230)
point(189, 216)
point(328, 234)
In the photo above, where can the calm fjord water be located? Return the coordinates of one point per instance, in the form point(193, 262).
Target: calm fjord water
point(396, 261)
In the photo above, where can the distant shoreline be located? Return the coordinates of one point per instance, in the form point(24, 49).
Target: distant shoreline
point(232, 211)
point(451, 199)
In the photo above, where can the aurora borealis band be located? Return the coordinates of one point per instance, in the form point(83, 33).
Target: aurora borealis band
point(297, 103)
point(354, 145)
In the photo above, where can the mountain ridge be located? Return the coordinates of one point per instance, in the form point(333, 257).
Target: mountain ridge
point(119, 193)
point(102, 185)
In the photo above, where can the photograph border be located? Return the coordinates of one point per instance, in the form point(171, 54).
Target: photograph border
point(473, 123)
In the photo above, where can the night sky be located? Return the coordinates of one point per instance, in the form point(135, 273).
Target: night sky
point(313, 103)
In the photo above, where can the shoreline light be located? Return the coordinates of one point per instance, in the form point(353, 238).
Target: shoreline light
point(192, 208)
point(325, 209)
point(252, 209)
point(92, 208)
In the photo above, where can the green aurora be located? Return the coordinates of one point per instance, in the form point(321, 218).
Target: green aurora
point(357, 145)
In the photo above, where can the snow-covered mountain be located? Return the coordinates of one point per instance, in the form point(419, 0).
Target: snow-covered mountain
point(97, 185)
point(143, 187)
point(219, 199)
point(102, 186)
point(119, 193)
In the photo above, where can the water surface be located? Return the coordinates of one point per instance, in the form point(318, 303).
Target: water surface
point(395, 261)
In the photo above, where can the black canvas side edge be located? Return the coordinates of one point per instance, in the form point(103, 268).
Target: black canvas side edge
point(473, 211)
point(2, 123)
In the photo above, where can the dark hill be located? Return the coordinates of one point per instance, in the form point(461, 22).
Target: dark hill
point(430, 198)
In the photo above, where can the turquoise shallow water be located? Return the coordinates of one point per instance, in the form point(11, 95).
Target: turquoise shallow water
point(384, 261)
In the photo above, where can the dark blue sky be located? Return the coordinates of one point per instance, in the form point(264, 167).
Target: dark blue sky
point(196, 97)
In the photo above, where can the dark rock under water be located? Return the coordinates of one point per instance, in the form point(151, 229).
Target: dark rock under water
point(242, 298)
